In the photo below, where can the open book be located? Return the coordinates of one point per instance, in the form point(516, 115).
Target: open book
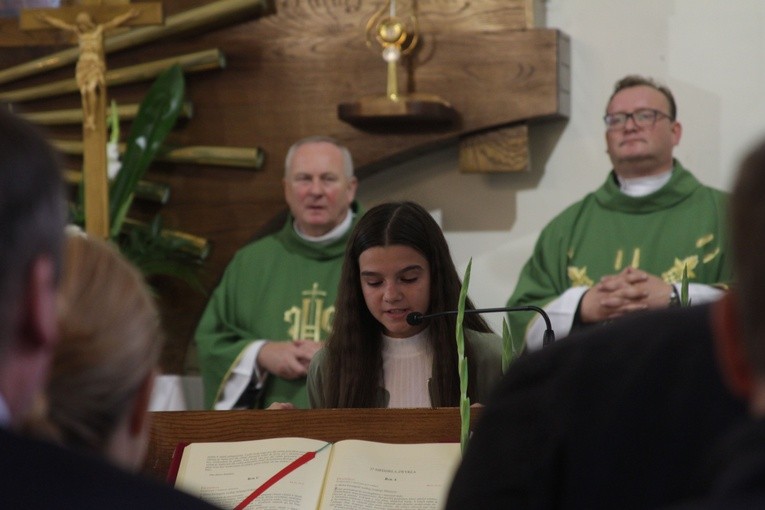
point(347, 475)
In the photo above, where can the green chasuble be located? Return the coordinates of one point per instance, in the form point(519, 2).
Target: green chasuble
point(278, 288)
point(680, 225)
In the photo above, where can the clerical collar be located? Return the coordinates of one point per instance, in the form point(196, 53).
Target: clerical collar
point(642, 186)
point(336, 233)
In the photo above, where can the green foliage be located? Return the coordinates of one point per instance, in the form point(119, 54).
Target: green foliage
point(114, 123)
point(510, 348)
point(151, 251)
point(685, 299)
point(156, 117)
point(463, 366)
point(157, 255)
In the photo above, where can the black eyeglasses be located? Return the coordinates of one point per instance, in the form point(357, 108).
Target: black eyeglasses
point(645, 117)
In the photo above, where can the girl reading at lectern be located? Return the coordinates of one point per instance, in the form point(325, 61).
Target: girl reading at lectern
point(397, 262)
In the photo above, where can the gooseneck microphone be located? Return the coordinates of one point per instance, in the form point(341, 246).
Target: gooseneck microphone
point(416, 318)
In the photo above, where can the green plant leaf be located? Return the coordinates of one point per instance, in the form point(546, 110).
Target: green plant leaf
point(157, 255)
point(463, 366)
point(508, 349)
point(685, 299)
point(114, 123)
point(156, 116)
point(461, 311)
point(464, 411)
point(77, 208)
point(153, 253)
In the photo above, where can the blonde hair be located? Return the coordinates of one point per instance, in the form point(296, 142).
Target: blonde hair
point(110, 342)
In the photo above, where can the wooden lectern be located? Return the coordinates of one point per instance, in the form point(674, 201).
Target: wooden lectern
point(441, 425)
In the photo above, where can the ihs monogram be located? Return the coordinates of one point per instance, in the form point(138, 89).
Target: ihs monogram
point(308, 321)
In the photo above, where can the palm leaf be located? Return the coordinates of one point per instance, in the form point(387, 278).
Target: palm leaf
point(463, 366)
point(685, 299)
point(508, 349)
point(155, 118)
point(156, 255)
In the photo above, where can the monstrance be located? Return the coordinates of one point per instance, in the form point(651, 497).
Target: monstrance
point(393, 31)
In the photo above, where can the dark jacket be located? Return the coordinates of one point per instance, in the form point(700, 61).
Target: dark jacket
point(39, 475)
point(620, 416)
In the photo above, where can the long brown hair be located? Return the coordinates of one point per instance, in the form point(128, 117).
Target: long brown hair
point(354, 349)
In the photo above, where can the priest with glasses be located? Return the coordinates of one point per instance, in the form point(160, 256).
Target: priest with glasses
point(625, 246)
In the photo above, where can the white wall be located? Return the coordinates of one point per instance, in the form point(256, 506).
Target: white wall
point(711, 53)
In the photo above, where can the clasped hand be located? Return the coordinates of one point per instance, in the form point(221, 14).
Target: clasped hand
point(289, 359)
point(619, 294)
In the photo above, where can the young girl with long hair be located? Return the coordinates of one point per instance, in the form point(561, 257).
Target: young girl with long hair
point(397, 262)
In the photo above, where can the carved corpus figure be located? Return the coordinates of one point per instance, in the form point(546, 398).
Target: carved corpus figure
point(91, 66)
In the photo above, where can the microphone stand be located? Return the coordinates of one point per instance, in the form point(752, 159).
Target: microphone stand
point(548, 338)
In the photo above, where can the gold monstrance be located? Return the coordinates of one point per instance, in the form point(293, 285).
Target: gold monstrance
point(393, 30)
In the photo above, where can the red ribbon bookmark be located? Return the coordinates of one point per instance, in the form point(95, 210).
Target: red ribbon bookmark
point(289, 468)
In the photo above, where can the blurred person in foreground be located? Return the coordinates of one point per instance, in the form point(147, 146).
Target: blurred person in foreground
point(96, 399)
point(739, 462)
point(38, 474)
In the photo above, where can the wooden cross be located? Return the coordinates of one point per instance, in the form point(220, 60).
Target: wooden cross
point(88, 22)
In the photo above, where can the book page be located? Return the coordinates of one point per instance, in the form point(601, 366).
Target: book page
point(228, 472)
point(377, 476)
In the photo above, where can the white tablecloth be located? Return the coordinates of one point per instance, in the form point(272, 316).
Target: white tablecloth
point(177, 393)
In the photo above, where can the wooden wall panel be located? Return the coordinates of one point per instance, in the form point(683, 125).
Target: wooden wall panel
point(286, 74)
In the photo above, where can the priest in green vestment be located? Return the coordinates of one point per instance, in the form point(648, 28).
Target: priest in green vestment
point(624, 247)
point(275, 302)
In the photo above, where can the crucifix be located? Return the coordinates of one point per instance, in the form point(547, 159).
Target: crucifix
point(88, 23)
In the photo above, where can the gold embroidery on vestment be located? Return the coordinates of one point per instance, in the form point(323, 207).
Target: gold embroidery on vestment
point(308, 321)
point(704, 240)
point(675, 273)
point(709, 257)
point(635, 258)
point(578, 277)
point(619, 260)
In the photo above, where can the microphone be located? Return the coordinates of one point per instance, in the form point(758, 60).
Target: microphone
point(416, 318)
